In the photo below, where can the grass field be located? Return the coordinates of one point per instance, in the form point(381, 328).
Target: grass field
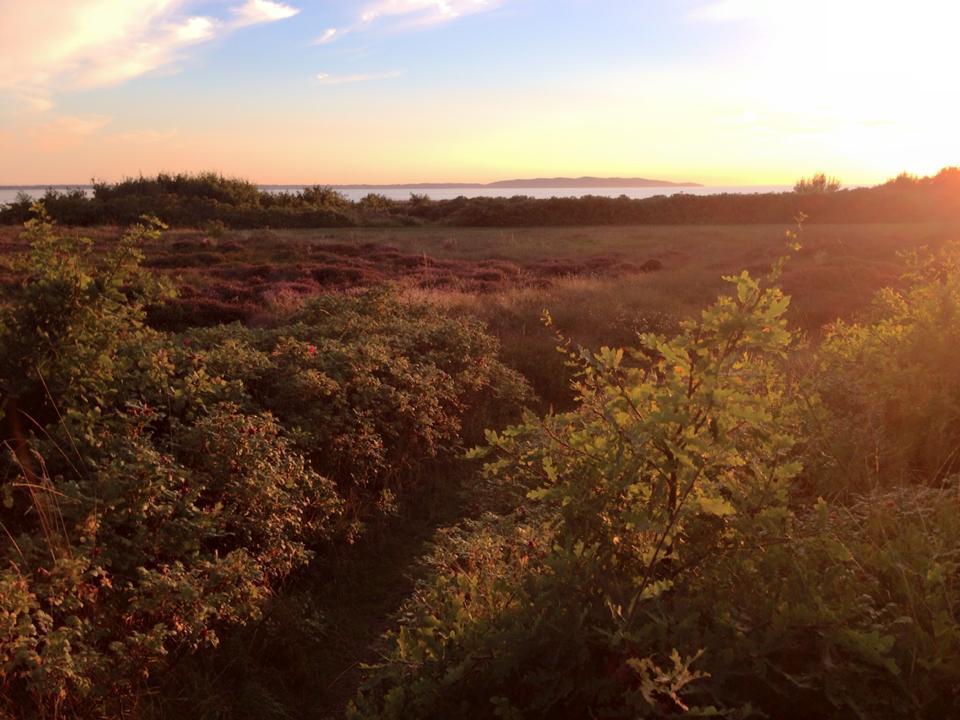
point(835, 274)
point(592, 280)
point(838, 267)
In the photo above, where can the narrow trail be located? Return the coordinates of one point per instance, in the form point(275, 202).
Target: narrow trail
point(370, 585)
point(304, 660)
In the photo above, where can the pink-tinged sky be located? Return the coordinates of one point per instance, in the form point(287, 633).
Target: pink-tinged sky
point(716, 91)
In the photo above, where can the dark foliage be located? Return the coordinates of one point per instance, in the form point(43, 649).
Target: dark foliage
point(199, 200)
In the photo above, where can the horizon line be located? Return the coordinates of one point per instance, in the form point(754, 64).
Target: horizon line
point(413, 185)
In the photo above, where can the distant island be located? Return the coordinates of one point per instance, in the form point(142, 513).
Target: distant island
point(558, 182)
point(580, 182)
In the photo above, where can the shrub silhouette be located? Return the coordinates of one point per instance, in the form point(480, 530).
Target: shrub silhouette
point(818, 183)
point(199, 200)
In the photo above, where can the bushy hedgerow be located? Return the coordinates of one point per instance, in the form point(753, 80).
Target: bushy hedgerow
point(195, 200)
point(370, 389)
point(662, 559)
point(157, 487)
point(128, 542)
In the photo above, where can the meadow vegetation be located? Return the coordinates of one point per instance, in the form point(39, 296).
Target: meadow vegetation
point(718, 478)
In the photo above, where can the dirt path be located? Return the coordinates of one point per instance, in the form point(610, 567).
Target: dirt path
point(304, 659)
point(369, 587)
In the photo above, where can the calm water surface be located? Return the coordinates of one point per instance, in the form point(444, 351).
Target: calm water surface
point(9, 193)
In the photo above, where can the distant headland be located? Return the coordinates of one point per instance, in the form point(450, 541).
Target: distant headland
point(558, 182)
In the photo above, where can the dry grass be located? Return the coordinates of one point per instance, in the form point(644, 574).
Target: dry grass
point(834, 275)
point(714, 242)
point(584, 276)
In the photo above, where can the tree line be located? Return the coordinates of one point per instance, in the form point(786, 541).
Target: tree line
point(211, 200)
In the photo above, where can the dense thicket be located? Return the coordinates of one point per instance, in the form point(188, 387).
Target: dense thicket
point(196, 200)
point(158, 486)
point(670, 554)
point(727, 522)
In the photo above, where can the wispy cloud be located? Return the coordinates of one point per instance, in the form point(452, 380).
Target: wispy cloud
point(328, 35)
point(425, 12)
point(254, 12)
point(405, 14)
point(51, 45)
point(325, 79)
point(38, 102)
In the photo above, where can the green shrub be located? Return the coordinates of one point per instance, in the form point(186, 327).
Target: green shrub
point(662, 559)
point(891, 383)
point(679, 450)
point(144, 511)
point(324, 196)
point(159, 487)
point(373, 391)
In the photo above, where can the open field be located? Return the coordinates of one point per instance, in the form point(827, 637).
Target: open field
point(834, 274)
point(717, 242)
point(664, 269)
point(601, 285)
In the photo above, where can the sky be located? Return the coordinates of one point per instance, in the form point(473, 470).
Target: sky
point(722, 92)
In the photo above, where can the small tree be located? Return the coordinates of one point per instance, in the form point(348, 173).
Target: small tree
point(324, 196)
point(818, 183)
point(375, 202)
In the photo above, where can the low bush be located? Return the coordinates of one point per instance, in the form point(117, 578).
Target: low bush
point(371, 389)
point(893, 384)
point(128, 544)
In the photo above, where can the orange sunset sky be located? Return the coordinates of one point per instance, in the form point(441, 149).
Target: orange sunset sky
point(714, 91)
